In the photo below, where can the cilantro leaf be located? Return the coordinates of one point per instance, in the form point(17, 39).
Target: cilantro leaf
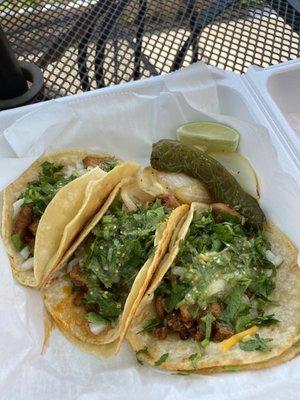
point(145, 351)
point(95, 318)
point(205, 343)
point(109, 308)
point(264, 320)
point(40, 192)
point(109, 164)
point(177, 294)
point(242, 322)
point(231, 368)
point(208, 319)
point(17, 242)
point(161, 360)
point(256, 344)
point(194, 359)
point(149, 326)
point(236, 304)
point(297, 345)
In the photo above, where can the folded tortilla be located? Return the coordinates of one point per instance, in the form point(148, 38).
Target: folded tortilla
point(177, 352)
point(72, 206)
point(71, 319)
point(286, 356)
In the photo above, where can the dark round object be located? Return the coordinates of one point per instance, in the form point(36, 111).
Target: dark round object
point(184, 335)
point(32, 74)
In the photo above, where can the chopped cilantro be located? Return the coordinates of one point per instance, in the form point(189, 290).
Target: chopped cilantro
point(149, 326)
point(17, 242)
point(221, 261)
point(208, 319)
point(106, 302)
point(114, 252)
point(246, 321)
point(177, 291)
point(109, 164)
point(264, 320)
point(95, 318)
point(205, 343)
point(256, 344)
point(194, 358)
point(162, 359)
point(145, 351)
point(231, 368)
point(297, 344)
point(242, 322)
point(40, 192)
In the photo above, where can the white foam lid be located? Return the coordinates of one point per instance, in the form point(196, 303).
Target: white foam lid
point(276, 90)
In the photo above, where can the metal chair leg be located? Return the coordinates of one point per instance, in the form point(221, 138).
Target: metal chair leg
point(198, 23)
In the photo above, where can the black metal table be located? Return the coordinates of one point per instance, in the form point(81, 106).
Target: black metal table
point(84, 44)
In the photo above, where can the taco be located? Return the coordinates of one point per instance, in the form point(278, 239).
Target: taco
point(38, 206)
point(224, 296)
point(94, 292)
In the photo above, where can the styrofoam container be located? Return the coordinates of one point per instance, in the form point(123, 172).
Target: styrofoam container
point(276, 90)
point(267, 97)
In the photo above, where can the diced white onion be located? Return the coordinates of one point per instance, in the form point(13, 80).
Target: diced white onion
point(72, 263)
point(216, 287)
point(25, 252)
point(27, 265)
point(79, 165)
point(17, 205)
point(178, 271)
point(68, 171)
point(275, 260)
point(96, 328)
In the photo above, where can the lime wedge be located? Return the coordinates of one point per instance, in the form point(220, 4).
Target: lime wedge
point(209, 136)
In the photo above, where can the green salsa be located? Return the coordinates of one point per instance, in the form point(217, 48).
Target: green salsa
point(222, 263)
point(113, 254)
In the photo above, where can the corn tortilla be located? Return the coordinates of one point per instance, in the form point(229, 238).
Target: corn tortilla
point(284, 334)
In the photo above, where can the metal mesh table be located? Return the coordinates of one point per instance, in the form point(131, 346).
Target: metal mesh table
point(85, 44)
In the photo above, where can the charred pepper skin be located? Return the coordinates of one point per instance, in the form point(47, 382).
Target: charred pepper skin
point(172, 156)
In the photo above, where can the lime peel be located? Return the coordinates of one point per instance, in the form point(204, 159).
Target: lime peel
point(209, 136)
